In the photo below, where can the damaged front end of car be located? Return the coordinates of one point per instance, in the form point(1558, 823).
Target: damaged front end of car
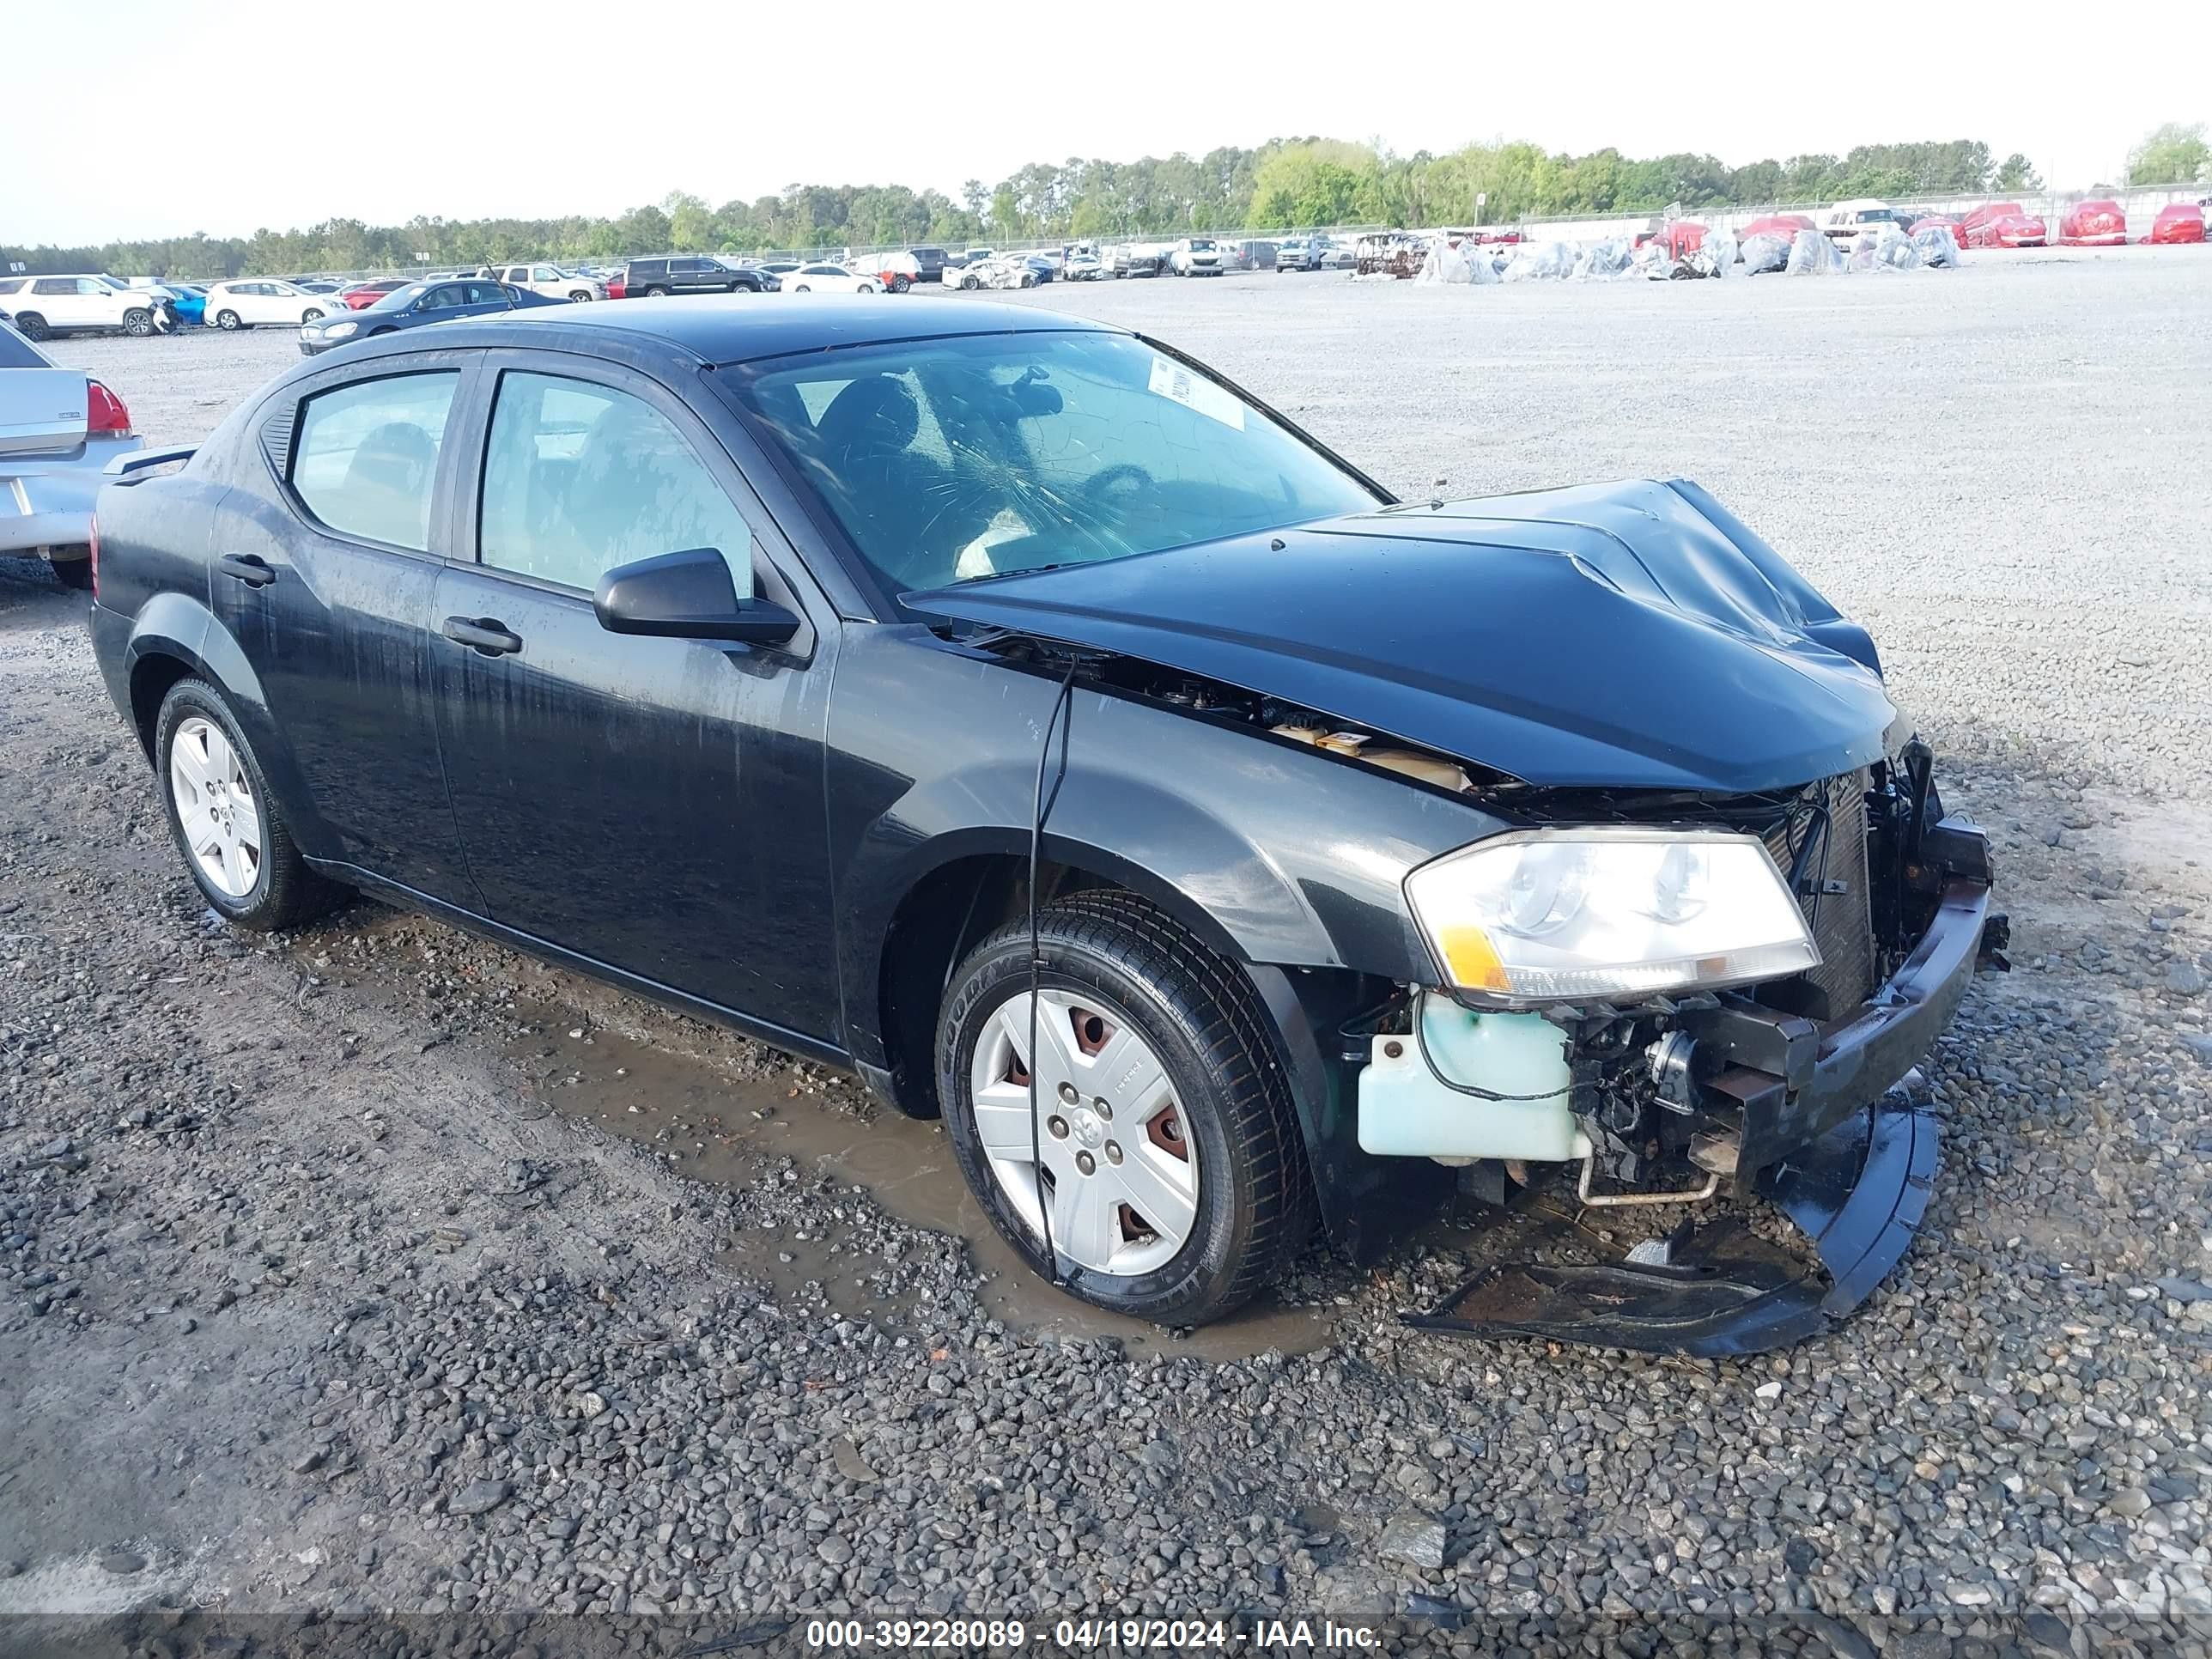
point(1798, 1089)
point(1723, 915)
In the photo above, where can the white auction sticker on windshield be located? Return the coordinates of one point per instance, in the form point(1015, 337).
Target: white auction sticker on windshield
point(1171, 380)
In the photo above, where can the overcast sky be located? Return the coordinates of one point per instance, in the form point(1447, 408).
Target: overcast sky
point(123, 119)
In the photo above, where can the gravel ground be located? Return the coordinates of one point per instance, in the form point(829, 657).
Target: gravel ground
point(378, 1269)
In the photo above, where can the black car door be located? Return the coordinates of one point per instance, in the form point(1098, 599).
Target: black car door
point(324, 574)
point(654, 806)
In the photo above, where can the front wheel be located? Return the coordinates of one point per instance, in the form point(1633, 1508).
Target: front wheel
point(802, 288)
point(138, 322)
point(232, 833)
point(1164, 1154)
point(577, 296)
point(228, 321)
point(310, 315)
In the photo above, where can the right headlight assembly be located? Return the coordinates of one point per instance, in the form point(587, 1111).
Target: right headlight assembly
point(1565, 915)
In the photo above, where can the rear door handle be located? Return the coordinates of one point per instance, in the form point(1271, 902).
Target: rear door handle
point(246, 567)
point(487, 634)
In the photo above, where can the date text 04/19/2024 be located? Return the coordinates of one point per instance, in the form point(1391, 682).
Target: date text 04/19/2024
point(1085, 1634)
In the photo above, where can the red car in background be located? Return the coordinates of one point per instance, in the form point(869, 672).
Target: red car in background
point(2097, 223)
point(2178, 223)
point(362, 295)
point(2002, 224)
point(1950, 221)
point(1784, 225)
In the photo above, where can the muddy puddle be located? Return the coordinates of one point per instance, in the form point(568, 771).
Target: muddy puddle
point(726, 1128)
point(727, 1125)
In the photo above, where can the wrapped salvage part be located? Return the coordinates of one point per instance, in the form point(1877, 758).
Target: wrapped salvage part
point(1764, 253)
point(1883, 247)
point(1938, 247)
point(1443, 264)
point(1553, 262)
point(1813, 255)
point(1717, 254)
point(1606, 261)
point(1481, 266)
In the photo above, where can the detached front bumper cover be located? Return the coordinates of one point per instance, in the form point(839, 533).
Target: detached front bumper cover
point(1836, 1141)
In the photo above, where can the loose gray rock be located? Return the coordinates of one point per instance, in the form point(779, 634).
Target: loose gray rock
point(479, 1496)
point(1415, 1537)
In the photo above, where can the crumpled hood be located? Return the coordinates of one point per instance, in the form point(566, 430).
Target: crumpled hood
point(1628, 636)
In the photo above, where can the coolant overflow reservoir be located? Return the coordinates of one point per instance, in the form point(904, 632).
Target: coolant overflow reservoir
point(1406, 1111)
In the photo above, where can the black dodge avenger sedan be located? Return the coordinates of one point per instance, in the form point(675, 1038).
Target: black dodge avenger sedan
point(1013, 711)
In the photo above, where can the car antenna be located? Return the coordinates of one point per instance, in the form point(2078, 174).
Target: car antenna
point(1041, 807)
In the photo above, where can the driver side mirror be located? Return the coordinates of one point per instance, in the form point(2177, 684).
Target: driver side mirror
point(687, 596)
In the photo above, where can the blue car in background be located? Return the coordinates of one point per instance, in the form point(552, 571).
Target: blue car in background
point(190, 302)
point(416, 303)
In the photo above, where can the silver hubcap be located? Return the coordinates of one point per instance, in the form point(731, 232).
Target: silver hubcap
point(215, 804)
point(1119, 1168)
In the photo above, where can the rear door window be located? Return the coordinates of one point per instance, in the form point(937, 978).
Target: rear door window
point(581, 477)
point(365, 460)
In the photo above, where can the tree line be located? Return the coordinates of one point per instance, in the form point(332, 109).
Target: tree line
point(1282, 184)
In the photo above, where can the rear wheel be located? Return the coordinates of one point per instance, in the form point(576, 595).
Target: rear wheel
point(232, 833)
point(656, 293)
point(900, 284)
point(1165, 1152)
point(138, 322)
point(32, 326)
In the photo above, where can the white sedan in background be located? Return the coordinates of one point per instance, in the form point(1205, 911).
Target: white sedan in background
point(828, 279)
point(253, 299)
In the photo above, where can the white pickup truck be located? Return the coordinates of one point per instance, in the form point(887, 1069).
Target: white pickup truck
point(550, 281)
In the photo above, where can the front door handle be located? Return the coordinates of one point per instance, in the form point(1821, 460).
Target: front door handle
point(248, 567)
point(487, 634)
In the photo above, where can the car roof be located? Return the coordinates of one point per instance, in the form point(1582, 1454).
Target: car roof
point(739, 329)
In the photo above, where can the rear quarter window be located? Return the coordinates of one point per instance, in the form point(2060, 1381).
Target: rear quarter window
point(366, 458)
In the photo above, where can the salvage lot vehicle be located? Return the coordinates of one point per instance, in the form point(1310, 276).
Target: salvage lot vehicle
point(651, 279)
point(1195, 256)
point(41, 306)
point(415, 305)
point(1010, 709)
point(2001, 224)
point(823, 278)
point(2177, 223)
point(59, 429)
point(252, 301)
point(549, 281)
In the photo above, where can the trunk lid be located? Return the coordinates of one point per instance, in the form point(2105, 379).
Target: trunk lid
point(43, 412)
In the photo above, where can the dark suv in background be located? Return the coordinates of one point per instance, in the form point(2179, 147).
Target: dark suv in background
point(651, 279)
point(931, 261)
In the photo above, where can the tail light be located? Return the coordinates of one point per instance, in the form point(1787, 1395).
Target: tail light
point(105, 416)
point(92, 537)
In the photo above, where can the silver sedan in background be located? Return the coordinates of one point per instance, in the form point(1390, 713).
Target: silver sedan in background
point(59, 429)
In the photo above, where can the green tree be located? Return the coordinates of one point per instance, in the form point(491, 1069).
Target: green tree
point(2172, 154)
point(2015, 173)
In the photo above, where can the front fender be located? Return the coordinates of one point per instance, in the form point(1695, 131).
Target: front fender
point(1269, 851)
